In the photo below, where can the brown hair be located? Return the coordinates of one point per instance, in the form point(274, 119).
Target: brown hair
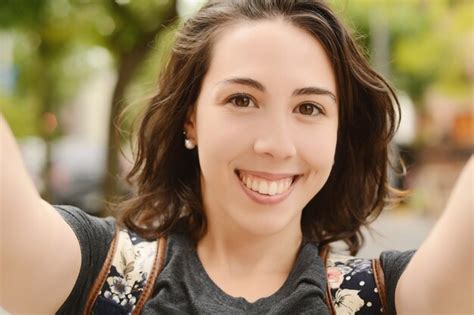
point(166, 175)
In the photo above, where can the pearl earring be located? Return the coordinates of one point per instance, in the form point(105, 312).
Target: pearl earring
point(189, 144)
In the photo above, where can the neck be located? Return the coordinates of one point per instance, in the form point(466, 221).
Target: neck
point(249, 254)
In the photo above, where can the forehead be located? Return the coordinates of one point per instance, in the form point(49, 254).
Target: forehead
point(280, 55)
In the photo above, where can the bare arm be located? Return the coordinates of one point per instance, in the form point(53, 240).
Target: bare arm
point(439, 278)
point(39, 253)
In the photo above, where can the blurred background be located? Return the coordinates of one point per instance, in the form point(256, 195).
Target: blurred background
point(68, 68)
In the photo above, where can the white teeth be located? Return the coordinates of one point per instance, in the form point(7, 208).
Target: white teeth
point(272, 189)
point(266, 187)
point(248, 182)
point(281, 187)
point(254, 184)
point(263, 187)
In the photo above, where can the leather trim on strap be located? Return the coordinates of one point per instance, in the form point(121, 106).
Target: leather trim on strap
point(324, 253)
point(99, 281)
point(380, 282)
point(150, 283)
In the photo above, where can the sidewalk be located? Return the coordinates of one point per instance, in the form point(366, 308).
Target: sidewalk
point(397, 231)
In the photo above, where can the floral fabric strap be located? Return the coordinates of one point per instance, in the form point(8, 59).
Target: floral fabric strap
point(355, 286)
point(127, 277)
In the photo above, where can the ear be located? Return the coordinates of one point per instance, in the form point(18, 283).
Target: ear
point(190, 123)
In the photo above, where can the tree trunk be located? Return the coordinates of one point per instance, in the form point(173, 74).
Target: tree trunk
point(128, 64)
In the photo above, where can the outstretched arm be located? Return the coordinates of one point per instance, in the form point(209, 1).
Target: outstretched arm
point(439, 278)
point(39, 253)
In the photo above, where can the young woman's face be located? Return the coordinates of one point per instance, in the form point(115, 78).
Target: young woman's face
point(265, 124)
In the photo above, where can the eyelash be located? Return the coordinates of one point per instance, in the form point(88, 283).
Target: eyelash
point(237, 96)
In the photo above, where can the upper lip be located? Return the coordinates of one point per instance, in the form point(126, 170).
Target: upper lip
point(269, 176)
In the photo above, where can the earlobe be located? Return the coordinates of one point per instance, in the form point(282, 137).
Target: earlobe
point(190, 126)
point(189, 129)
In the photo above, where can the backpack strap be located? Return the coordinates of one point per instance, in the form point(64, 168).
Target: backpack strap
point(380, 281)
point(324, 252)
point(354, 285)
point(128, 274)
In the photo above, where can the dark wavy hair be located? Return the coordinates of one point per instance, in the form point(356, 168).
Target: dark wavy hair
point(166, 176)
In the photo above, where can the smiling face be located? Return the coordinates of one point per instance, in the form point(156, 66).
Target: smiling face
point(265, 124)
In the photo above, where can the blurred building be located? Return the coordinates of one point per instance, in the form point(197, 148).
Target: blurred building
point(447, 129)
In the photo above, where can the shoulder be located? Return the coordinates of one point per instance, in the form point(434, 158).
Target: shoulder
point(393, 264)
point(84, 223)
point(364, 285)
point(93, 233)
point(95, 236)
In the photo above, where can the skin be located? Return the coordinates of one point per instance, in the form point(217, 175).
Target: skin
point(250, 248)
point(31, 232)
point(267, 131)
point(446, 286)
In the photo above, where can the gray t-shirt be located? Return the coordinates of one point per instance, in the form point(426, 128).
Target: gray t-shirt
point(184, 287)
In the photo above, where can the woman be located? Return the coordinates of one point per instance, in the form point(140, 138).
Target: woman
point(266, 141)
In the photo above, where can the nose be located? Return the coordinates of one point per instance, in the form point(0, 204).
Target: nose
point(275, 139)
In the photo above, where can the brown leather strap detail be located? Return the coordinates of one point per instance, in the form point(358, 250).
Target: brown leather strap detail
point(156, 269)
point(380, 282)
point(99, 281)
point(324, 253)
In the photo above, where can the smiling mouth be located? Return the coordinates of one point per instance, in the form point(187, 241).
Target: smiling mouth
point(264, 186)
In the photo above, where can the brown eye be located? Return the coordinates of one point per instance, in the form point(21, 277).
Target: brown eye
point(240, 100)
point(309, 109)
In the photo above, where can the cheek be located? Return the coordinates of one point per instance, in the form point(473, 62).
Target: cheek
point(319, 157)
point(319, 149)
point(220, 140)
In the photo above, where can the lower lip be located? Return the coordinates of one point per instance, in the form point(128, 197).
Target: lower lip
point(267, 199)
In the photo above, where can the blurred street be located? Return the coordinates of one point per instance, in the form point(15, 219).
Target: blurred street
point(398, 231)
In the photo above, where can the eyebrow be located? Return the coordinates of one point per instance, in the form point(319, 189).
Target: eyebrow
point(310, 90)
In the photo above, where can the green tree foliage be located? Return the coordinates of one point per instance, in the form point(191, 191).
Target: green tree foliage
point(48, 32)
point(430, 42)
